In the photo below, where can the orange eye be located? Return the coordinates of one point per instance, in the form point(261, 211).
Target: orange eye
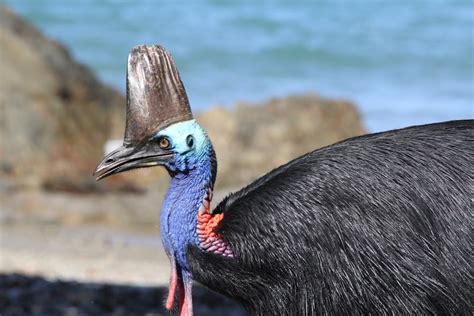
point(164, 143)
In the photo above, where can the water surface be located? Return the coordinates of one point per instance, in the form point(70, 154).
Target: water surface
point(403, 63)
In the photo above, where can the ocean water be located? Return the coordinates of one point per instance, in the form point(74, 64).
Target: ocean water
point(401, 62)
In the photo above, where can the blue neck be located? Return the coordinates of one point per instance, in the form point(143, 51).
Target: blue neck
point(186, 193)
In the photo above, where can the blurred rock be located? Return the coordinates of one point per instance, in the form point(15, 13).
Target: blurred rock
point(252, 139)
point(55, 114)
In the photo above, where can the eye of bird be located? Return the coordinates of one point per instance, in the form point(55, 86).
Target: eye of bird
point(164, 143)
point(190, 141)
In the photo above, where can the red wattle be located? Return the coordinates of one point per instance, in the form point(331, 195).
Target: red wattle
point(206, 225)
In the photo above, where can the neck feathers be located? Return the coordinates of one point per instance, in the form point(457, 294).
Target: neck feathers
point(187, 193)
point(186, 218)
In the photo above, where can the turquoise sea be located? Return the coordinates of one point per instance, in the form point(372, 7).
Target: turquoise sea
point(402, 62)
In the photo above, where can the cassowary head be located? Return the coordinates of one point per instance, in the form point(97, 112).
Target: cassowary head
point(179, 147)
point(160, 127)
point(160, 131)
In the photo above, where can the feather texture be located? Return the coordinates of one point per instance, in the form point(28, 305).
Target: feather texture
point(377, 224)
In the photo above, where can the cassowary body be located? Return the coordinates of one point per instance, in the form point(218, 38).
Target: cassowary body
point(378, 224)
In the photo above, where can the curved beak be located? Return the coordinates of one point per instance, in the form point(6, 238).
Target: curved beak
point(132, 157)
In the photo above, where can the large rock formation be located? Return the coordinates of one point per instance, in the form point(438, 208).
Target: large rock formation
point(55, 115)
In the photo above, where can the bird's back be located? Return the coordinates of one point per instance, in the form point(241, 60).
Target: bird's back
point(375, 224)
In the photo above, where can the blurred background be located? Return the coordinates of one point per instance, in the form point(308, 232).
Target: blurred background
point(278, 80)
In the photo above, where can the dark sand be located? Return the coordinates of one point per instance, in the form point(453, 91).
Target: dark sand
point(28, 295)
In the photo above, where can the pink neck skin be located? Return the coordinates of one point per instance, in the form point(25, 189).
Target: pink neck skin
point(182, 283)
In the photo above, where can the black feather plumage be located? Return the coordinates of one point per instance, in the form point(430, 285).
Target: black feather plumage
point(377, 224)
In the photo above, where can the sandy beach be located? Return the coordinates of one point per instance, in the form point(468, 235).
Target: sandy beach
point(86, 253)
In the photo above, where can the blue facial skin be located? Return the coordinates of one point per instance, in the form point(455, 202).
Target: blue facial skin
point(192, 168)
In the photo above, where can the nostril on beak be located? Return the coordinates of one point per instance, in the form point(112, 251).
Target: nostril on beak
point(110, 160)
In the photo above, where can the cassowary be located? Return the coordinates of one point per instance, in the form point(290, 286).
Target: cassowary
point(377, 224)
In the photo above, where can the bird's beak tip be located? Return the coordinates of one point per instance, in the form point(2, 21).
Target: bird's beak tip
point(99, 173)
point(130, 157)
point(110, 163)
